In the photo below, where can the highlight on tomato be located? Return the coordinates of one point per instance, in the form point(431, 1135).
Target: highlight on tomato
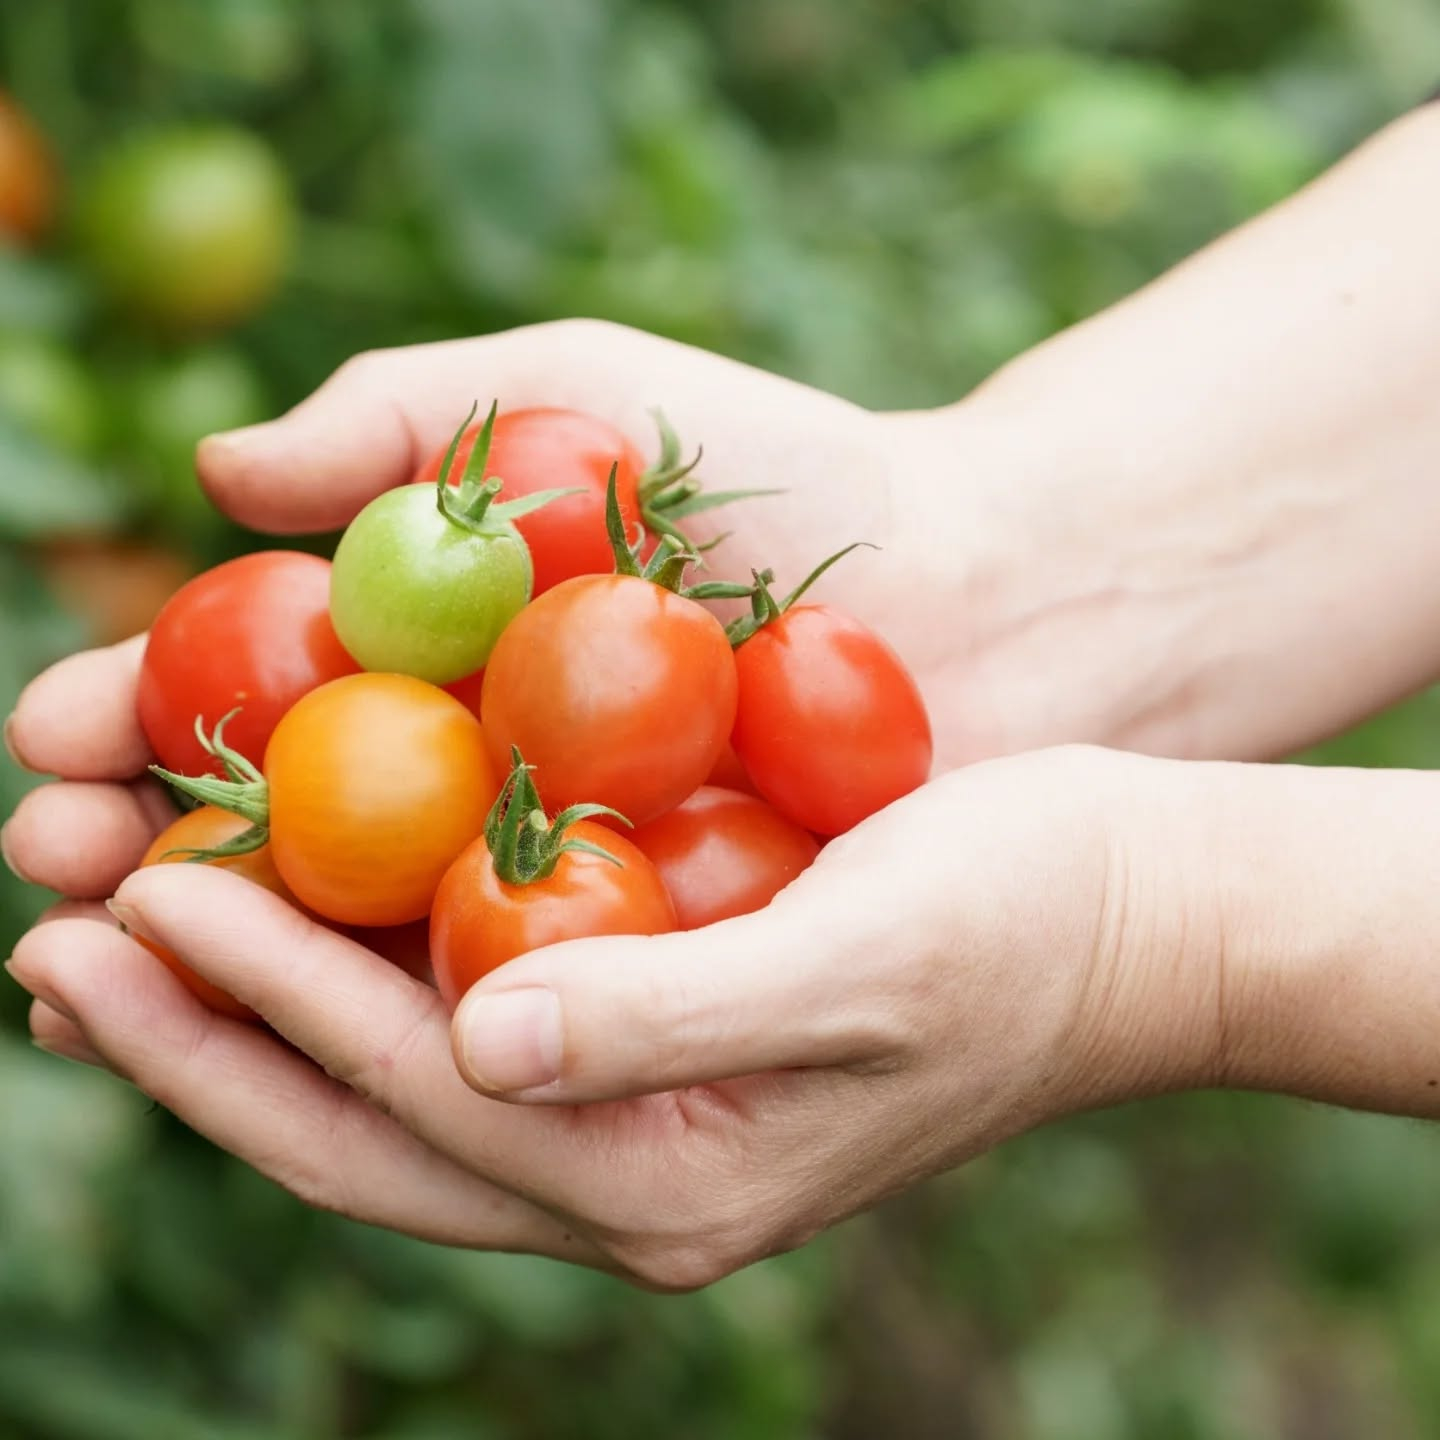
point(722, 853)
point(829, 723)
point(530, 881)
point(253, 634)
point(372, 785)
point(424, 581)
point(618, 689)
point(543, 447)
point(209, 829)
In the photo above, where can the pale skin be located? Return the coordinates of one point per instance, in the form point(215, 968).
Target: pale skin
point(1202, 526)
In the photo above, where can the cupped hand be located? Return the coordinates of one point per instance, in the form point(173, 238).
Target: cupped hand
point(957, 969)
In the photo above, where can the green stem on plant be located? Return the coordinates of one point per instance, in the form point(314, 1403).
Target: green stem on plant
point(765, 608)
point(244, 793)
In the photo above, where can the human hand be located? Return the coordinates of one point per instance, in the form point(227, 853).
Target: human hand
point(959, 968)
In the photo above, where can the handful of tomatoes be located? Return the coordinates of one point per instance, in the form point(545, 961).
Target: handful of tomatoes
point(502, 717)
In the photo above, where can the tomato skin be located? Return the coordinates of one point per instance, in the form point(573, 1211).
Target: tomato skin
point(722, 853)
point(413, 593)
point(254, 633)
point(467, 691)
point(377, 782)
point(830, 724)
point(27, 176)
point(480, 921)
point(544, 449)
point(203, 829)
point(616, 691)
point(729, 774)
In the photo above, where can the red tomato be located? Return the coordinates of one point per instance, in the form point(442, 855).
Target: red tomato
point(480, 921)
point(203, 829)
point(405, 946)
point(467, 691)
point(549, 449)
point(253, 633)
point(723, 854)
point(830, 724)
point(376, 784)
point(729, 774)
point(615, 690)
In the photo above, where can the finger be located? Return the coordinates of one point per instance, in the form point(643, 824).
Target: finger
point(250, 1094)
point(56, 1035)
point(78, 719)
point(369, 1024)
point(608, 1018)
point(81, 838)
point(366, 429)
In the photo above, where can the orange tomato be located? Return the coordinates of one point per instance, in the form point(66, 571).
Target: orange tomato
point(377, 782)
point(203, 829)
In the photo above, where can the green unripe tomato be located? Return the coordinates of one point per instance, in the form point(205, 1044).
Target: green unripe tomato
point(189, 227)
point(417, 592)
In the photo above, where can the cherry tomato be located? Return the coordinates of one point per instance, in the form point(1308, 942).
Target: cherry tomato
point(405, 946)
point(543, 449)
point(27, 177)
point(467, 691)
point(203, 829)
point(729, 774)
point(189, 227)
point(830, 724)
point(616, 690)
point(376, 783)
point(480, 921)
point(722, 853)
point(425, 580)
point(253, 633)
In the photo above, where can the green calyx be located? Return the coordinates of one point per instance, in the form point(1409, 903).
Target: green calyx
point(525, 844)
point(471, 504)
point(669, 492)
point(764, 607)
point(243, 792)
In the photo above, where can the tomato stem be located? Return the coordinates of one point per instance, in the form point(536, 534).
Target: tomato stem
point(764, 607)
point(244, 792)
point(525, 845)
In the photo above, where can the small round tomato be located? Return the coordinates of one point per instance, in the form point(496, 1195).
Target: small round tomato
point(729, 774)
point(723, 854)
point(512, 892)
point(376, 783)
point(27, 176)
point(253, 633)
point(830, 724)
point(467, 691)
point(189, 227)
point(543, 449)
point(616, 690)
point(204, 829)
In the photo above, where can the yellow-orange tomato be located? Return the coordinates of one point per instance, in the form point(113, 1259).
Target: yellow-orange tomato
point(377, 783)
point(203, 829)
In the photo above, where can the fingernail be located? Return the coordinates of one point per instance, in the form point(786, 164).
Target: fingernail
point(9, 859)
point(513, 1040)
point(76, 1050)
point(11, 748)
point(127, 916)
point(40, 991)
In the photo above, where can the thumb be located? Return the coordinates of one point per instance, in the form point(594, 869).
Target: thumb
point(365, 430)
point(607, 1018)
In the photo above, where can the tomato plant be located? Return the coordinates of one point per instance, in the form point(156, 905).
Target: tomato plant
point(203, 830)
point(253, 633)
point(618, 688)
point(189, 227)
point(424, 580)
point(722, 853)
point(829, 723)
point(372, 785)
point(529, 881)
point(27, 176)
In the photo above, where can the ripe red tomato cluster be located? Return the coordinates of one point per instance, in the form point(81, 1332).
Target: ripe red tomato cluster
point(503, 712)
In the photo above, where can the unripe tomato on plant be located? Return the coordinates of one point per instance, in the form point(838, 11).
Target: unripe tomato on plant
point(253, 633)
point(189, 227)
point(372, 785)
point(530, 881)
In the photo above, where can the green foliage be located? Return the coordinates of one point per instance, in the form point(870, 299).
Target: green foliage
point(888, 201)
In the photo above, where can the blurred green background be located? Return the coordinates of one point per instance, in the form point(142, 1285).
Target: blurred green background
point(887, 200)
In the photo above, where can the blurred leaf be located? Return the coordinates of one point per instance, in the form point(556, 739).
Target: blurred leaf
point(44, 493)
